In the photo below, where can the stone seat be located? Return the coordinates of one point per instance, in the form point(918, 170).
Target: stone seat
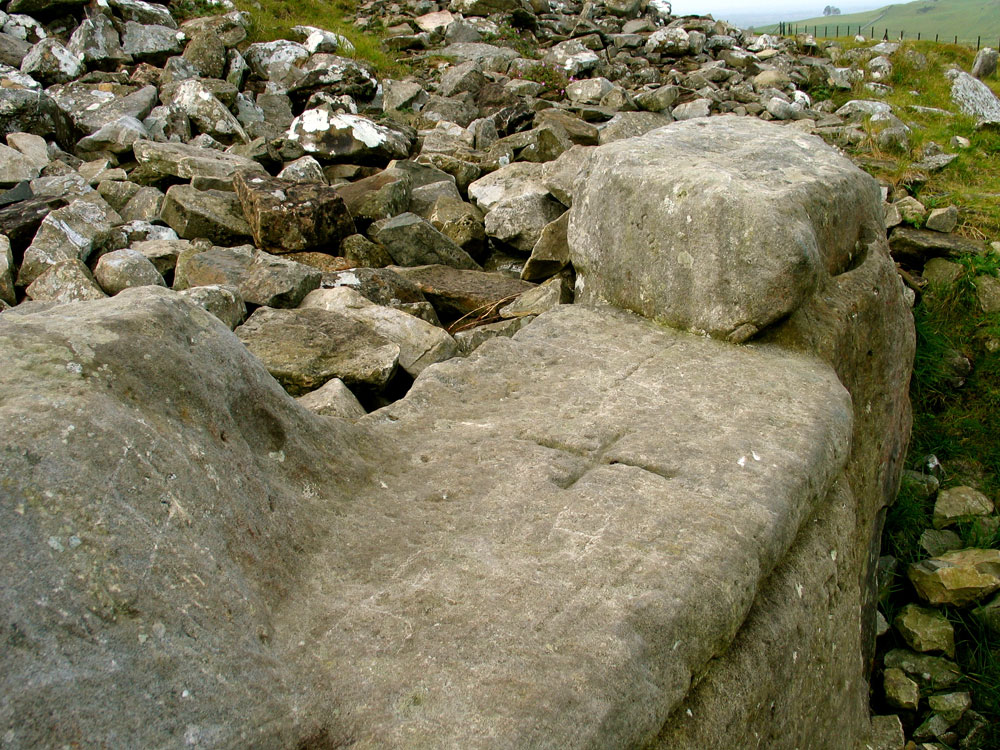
point(548, 544)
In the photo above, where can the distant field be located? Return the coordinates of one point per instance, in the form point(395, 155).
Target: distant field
point(966, 19)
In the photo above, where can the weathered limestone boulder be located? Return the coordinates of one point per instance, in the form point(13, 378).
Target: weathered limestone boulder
point(31, 110)
point(206, 112)
point(960, 578)
point(304, 348)
point(7, 293)
point(122, 269)
point(187, 162)
point(260, 278)
point(672, 224)
point(342, 137)
point(91, 106)
point(420, 343)
point(925, 629)
point(50, 62)
point(456, 293)
point(974, 98)
point(985, 63)
point(75, 231)
point(215, 215)
point(333, 399)
point(107, 406)
point(66, 280)
point(290, 216)
point(412, 241)
point(934, 672)
point(224, 302)
point(960, 504)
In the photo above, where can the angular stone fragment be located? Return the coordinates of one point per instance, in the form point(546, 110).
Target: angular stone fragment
point(631, 124)
point(974, 98)
point(304, 348)
point(144, 12)
point(551, 252)
point(456, 293)
point(333, 399)
point(385, 287)
point(343, 137)
point(92, 106)
point(122, 269)
point(519, 221)
point(213, 214)
point(985, 63)
point(950, 706)
point(7, 293)
point(290, 216)
point(34, 111)
point(206, 112)
point(412, 241)
point(50, 62)
point(224, 302)
point(335, 76)
point(692, 226)
point(74, 231)
point(306, 169)
point(959, 578)
point(420, 343)
point(260, 278)
point(65, 281)
point(380, 196)
point(942, 219)
point(276, 61)
point(925, 629)
point(117, 136)
point(916, 245)
point(15, 167)
point(96, 43)
point(188, 162)
point(151, 43)
point(988, 293)
point(960, 503)
point(12, 50)
point(162, 254)
point(934, 672)
point(900, 691)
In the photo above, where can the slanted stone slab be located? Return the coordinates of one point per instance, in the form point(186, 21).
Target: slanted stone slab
point(215, 215)
point(456, 293)
point(412, 241)
point(722, 225)
point(614, 523)
point(187, 162)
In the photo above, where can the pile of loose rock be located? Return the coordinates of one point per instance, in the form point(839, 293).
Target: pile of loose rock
point(919, 675)
point(372, 228)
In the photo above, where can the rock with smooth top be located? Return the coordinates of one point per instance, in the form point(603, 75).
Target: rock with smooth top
point(304, 348)
point(123, 269)
point(960, 504)
point(959, 578)
point(65, 281)
point(333, 399)
point(925, 630)
point(344, 137)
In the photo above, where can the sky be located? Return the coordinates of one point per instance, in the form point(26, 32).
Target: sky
point(748, 11)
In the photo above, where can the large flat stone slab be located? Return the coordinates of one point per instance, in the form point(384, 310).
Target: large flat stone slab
point(542, 545)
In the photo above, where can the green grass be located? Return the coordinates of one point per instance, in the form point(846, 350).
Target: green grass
point(274, 19)
point(966, 19)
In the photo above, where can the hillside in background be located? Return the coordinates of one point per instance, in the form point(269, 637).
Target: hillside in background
point(966, 19)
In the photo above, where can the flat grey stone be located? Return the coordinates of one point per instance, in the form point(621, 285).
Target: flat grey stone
point(668, 227)
point(305, 348)
point(188, 162)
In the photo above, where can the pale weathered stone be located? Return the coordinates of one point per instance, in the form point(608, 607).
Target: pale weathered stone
point(188, 162)
point(206, 112)
point(346, 137)
point(985, 63)
point(224, 302)
point(64, 281)
point(518, 221)
point(260, 278)
point(304, 348)
point(122, 269)
point(934, 672)
point(457, 293)
point(925, 629)
point(50, 62)
point(212, 214)
point(92, 106)
point(151, 42)
point(960, 504)
point(950, 706)
point(420, 343)
point(7, 293)
point(412, 241)
point(550, 253)
point(900, 691)
point(333, 399)
point(665, 226)
point(938, 271)
point(15, 167)
point(988, 293)
point(74, 231)
point(942, 219)
point(974, 98)
point(961, 577)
